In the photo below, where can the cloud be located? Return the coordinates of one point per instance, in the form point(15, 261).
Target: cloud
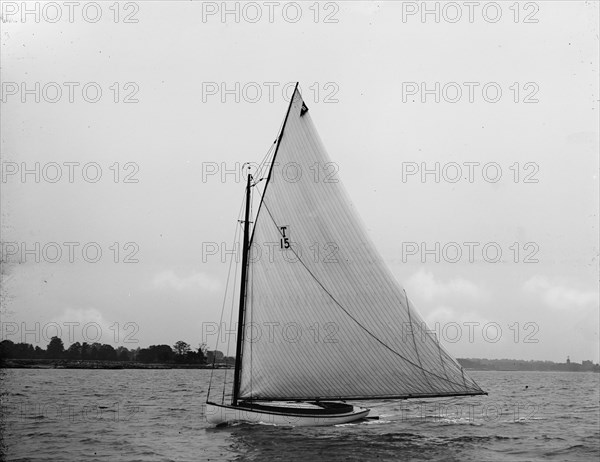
point(448, 314)
point(80, 325)
point(82, 315)
point(561, 297)
point(426, 287)
point(169, 280)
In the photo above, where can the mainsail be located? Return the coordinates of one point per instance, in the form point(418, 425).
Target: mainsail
point(325, 318)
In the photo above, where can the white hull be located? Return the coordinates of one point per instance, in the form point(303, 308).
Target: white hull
point(282, 413)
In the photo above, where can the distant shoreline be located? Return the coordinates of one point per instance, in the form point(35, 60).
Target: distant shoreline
point(512, 365)
point(94, 364)
point(468, 364)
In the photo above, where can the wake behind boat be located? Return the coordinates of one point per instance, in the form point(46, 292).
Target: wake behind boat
point(350, 331)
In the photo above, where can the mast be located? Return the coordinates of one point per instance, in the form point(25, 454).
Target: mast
point(240, 329)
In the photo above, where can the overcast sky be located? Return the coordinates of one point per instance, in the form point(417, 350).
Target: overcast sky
point(187, 93)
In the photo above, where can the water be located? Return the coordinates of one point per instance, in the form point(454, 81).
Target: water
point(143, 415)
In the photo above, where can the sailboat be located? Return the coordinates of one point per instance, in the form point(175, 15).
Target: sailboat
point(322, 321)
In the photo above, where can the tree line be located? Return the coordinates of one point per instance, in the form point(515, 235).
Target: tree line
point(526, 365)
point(180, 352)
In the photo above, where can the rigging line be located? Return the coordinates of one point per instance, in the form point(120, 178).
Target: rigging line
point(278, 140)
point(412, 332)
point(462, 371)
point(243, 297)
point(251, 283)
point(239, 230)
point(352, 317)
point(472, 382)
point(223, 309)
point(263, 162)
point(424, 331)
point(441, 352)
point(459, 366)
point(235, 239)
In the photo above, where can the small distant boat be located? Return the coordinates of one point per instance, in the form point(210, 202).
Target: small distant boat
point(334, 324)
